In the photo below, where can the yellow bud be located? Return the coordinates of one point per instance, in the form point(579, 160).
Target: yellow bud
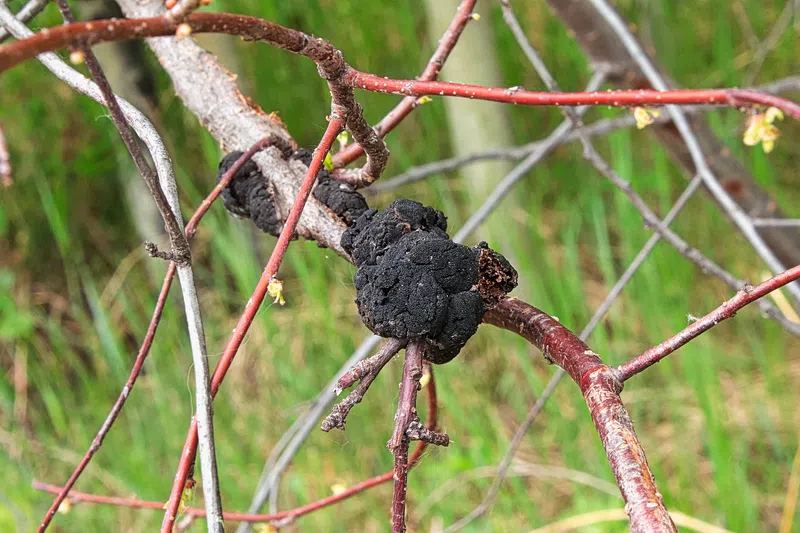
point(645, 117)
point(183, 30)
point(426, 378)
point(476, 16)
point(338, 488)
point(76, 57)
point(65, 506)
point(275, 289)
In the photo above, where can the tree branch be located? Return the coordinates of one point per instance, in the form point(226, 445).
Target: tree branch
point(748, 294)
point(600, 387)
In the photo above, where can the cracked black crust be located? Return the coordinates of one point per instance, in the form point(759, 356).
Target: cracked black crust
point(372, 233)
point(413, 282)
point(248, 195)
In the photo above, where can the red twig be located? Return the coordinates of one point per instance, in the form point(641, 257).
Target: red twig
point(5, 162)
point(722, 97)
point(190, 446)
point(287, 515)
point(600, 387)
point(431, 72)
point(329, 60)
point(147, 343)
point(727, 310)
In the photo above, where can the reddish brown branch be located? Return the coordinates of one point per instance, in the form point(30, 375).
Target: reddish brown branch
point(721, 97)
point(147, 343)
point(245, 321)
point(600, 387)
point(431, 72)
point(333, 68)
point(284, 516)
point(398, 444)
point(728, 309)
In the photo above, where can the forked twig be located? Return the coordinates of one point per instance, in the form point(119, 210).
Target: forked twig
point(365, 373)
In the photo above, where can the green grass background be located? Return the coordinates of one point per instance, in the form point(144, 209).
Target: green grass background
point(719, 419)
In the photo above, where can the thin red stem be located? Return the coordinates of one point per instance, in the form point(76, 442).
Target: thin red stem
point(290, 514)
point(395, 116)
point(254, 29)
point(147, 342)
point(642, 97)
point(190, 446)
point(725, 311)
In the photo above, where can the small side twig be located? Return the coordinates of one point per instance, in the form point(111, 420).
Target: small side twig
point(5, 162)
point(398, 444)
point(395, 116)
point(365, 373)
point(25, 15)
point(283, 516)
point(727, 310)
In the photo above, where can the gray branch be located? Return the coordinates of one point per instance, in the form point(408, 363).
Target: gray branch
point(148, 134)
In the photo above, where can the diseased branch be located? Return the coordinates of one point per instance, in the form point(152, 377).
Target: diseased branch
point(600, 387)
point(748, 294)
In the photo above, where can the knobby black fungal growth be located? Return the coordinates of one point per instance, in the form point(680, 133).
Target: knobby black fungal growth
point(249, 194)
point(413, 282)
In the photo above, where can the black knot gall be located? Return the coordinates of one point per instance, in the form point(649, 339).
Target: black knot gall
point(248, 194)
point(413, 282)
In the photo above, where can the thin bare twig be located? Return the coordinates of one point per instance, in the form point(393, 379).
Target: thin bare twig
point(168, 203)
point(777, 222)
point(731, 208)
point(431, 72)
point(768, 44)
point(25, 15)
point(245, 321)
point(182, 259)
point(365, 373)
point(6, 177)
point(398, 444)
point(342, 78)
point(727, 310)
